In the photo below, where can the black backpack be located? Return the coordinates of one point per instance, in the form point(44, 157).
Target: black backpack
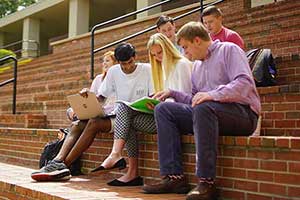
point(263, 66)
point(52, 148)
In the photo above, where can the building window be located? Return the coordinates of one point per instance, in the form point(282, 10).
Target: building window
point(255, 3)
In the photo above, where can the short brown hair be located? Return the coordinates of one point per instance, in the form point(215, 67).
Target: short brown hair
point(163, 19)
point(191, 30)
point(211, 10)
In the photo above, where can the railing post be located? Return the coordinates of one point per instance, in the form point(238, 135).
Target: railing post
point(92, 53)
point(15, 84)
point(201, 10)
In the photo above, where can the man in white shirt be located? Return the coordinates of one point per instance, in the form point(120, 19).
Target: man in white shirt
point(126, 81)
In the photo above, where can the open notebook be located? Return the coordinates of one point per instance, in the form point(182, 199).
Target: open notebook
point(87, 107)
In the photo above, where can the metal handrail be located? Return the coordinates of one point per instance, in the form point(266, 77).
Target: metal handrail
point(144, 31)
point(97, 26)
point(12, 80)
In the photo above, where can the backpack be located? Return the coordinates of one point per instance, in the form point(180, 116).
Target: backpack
point(263, 66)
point(52, 148)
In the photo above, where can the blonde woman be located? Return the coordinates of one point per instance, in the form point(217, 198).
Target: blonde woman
point(170, 70)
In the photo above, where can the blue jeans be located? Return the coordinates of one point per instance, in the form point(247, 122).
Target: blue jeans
point(207, 121)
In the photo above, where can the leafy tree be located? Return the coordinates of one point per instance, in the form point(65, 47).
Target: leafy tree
point(9, 6)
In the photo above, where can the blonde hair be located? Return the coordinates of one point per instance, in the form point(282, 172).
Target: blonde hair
point(191, 30)
point(111, 54)
point(162, 70)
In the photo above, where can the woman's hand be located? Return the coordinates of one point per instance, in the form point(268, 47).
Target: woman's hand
point(162, 95)
point(84, 92)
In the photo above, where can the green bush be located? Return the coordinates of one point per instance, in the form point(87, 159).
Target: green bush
point(4, 53)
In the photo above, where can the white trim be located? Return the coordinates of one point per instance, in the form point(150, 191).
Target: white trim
point(27, 12)
point(169, 12)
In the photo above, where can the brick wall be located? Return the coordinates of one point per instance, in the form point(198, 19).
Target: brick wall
point(280, 110)
point(44, 83)
point(248, 167)
point(24, 120)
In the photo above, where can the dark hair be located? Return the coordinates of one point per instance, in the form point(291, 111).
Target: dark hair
point(124, 51)
point(211, 10)
point(163, 19)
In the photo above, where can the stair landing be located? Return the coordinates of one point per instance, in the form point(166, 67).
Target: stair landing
point(15, 183)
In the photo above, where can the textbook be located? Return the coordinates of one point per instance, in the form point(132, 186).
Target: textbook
point(141, 104)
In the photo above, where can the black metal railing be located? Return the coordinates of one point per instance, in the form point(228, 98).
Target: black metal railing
point(97, 26)
point(93, 51)
point(14, 80)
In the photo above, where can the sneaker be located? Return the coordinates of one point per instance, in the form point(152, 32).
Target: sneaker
point(168, 185)
point(203, 191)
point(53, 171)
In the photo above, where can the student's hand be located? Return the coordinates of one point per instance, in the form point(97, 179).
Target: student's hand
point(101, 99)
point(71, 114)
point(84, 92)
point(201, 97)
point(162, 95)
point(150, 106)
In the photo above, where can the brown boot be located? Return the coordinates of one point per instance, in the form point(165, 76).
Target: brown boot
point(168, 185)
point(203, 191)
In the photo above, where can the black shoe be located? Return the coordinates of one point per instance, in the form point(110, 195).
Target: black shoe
point(168, 185)
point(121, 164)
point(134, 182)
point(203, 191)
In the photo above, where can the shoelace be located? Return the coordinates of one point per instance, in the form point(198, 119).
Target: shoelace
point(52, 166)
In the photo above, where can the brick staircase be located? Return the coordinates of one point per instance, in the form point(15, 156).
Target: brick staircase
point(264, 167)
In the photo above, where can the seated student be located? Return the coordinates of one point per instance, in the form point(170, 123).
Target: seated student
point(169, 70)
point(166, 26)
point(126, 81)
point(108, 61)
point(79, 138)
point(212, 19)
point(224, 101)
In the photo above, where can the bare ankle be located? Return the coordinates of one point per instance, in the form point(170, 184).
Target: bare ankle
point(114, 155)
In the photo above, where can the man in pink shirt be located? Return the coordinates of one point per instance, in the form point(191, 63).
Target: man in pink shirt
point(224, 101)
point(212, 19)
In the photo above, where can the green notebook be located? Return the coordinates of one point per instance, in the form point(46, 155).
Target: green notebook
point(140, 104)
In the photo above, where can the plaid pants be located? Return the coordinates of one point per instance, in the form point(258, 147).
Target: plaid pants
point(127, 123)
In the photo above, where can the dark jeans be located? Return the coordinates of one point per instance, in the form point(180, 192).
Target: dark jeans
point(207, 121)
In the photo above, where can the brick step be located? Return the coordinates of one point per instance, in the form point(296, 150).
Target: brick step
point(23, 120)
point(288, 69)
point(76, 74)
point(15, 183)
point(40, 107)
point(51, 68)
point(65, 63)
point(55, 95)
point(41, 88)
point(280, 110)
point(247, 167)
point(42, 66)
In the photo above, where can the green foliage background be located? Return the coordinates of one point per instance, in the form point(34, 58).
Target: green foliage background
point(9, 6)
